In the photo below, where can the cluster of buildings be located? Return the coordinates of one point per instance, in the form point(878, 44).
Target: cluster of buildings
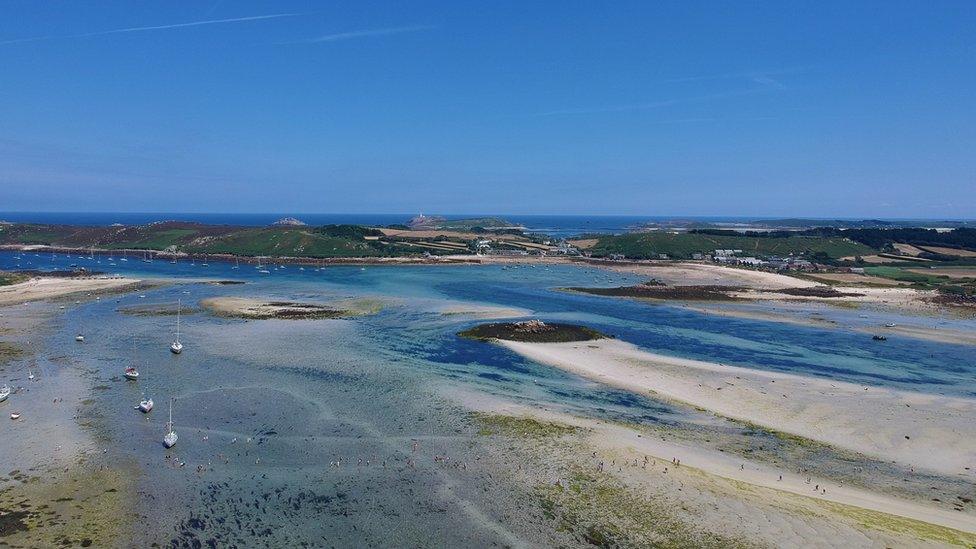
point(488, 246)
point(778, 263)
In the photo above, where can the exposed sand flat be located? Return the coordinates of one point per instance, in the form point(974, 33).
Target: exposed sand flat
point(944, 335)
point(904, 298)
point(46, 435)
point(798, 317)
point(808, 318)
point(242, 307)
point(705, 274)
point(49, 288)
point(486, 312)
point(798, 508)
point(924, 431)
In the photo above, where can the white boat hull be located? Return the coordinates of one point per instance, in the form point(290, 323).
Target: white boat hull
point(176, 348)
point(170, 439)
point(146, 406)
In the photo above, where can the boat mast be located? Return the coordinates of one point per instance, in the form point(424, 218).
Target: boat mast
point(179, 306)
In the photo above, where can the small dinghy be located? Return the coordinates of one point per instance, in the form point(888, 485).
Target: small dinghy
point(146, 405)
point(15, 415)
point(79, 338)
point(131, 373)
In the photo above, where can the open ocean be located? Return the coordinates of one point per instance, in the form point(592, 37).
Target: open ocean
point(554, 225)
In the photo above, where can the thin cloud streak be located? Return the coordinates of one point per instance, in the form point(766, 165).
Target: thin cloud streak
point(365, 33)
point(761, 77)
point(151, 28)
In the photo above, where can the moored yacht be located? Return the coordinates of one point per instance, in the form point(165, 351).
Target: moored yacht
point(4, 393)
point(170, 438)
point(131, 373)
point(176, 347)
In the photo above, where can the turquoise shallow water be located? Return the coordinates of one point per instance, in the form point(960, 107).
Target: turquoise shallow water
point(265, 407)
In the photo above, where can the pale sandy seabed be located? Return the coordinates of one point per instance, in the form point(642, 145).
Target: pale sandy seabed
point(523, 485)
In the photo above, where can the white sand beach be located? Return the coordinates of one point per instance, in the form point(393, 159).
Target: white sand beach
point(705, 477)
point(916, 430)
point(41, 288)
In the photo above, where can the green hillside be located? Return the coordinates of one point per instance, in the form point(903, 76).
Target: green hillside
point(298, 241)
point(172, 236)
point(683, 245)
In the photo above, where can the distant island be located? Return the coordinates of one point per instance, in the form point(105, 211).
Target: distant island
point(425, 222)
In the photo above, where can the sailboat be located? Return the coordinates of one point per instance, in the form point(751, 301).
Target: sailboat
point(4, 393)
point(177, 347)
point(170, 438)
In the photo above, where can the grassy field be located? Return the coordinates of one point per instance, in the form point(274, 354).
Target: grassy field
point(904, 275)
point(683, 245)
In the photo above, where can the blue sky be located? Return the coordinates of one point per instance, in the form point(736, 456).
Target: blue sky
point(854, 109)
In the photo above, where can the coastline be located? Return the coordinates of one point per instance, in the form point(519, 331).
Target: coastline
point(706, 477)
point(45, 288)
point(882, 423)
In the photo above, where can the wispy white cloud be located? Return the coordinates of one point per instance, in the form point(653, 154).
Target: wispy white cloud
point(336, 37)
point(762, 77)
point(151, 28)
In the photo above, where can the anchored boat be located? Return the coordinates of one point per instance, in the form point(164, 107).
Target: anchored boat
point(170, 438)
point(177, 347)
